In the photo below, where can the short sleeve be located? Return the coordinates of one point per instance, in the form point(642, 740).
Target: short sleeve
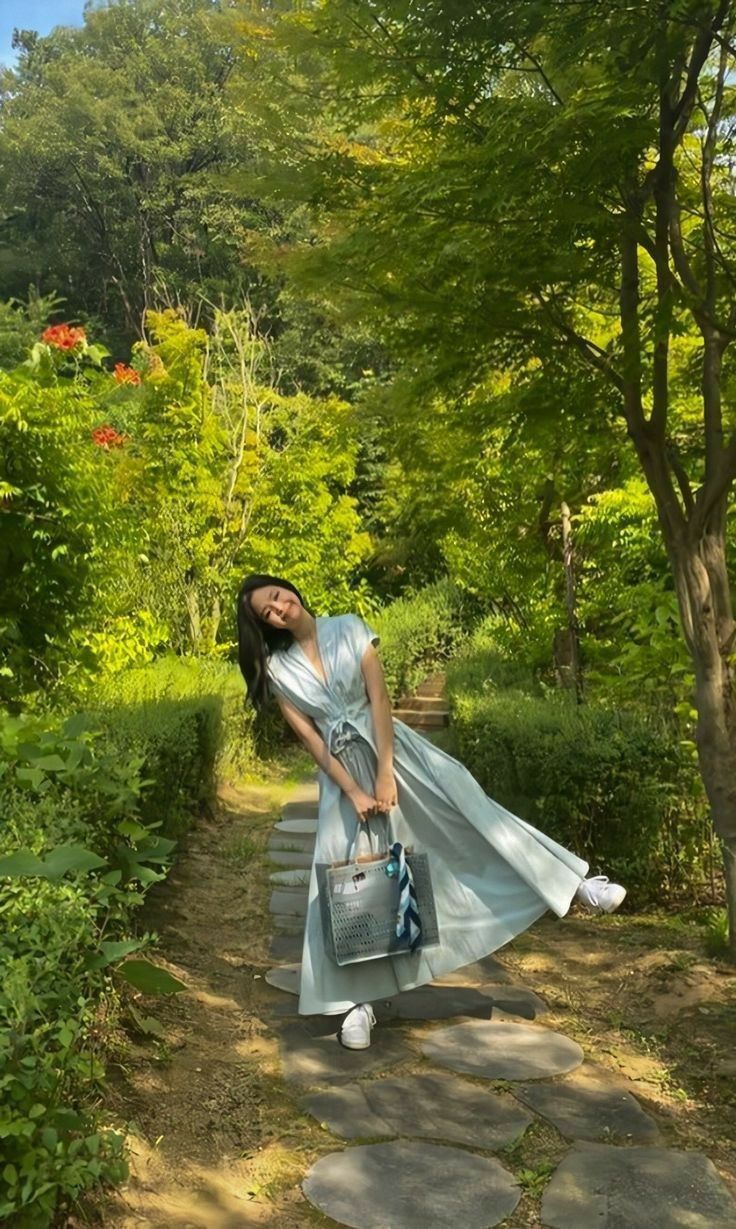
point(363, 634)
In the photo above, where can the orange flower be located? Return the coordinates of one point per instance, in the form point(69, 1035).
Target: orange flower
point(126, 375)
point(108, 437)
point(63, 336)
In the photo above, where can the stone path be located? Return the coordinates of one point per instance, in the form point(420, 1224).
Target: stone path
point(431, 1090)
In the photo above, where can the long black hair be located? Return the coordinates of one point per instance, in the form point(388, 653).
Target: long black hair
point(256, 639)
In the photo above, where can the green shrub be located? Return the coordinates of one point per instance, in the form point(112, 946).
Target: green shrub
point(52, 1141)
point(617, 790)
point(59, 790)
point(480, 666)
point(188, 719)
point(103, 788)
point(419, 633)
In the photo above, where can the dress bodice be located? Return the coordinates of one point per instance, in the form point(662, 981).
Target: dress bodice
point(339, 703)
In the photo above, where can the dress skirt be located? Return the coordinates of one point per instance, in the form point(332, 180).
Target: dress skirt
point(493, 874)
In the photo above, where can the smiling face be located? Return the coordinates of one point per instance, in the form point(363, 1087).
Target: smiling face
point(276, 606)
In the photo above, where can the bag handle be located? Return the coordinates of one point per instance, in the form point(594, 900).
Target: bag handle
point(388, 841)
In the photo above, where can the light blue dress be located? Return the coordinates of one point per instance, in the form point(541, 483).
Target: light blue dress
point(493, 874)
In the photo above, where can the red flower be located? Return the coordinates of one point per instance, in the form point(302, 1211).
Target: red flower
point(63, 336)
point(126, 375)
point(108, 437)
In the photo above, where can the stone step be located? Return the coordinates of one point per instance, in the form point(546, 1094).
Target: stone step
point(298, 827)
point(424, 704)
point(291, 842)
point(287, 924)
point(297, 858)
point(285, 903)
point(286, 948)
point(285, 977)
point(295, 878)
point(300, 810)
point(422, 721)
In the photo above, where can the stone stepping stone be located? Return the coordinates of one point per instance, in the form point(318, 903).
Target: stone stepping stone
point(432, 1106)
point(313, 1060)
point(286, 948)
point(284, 1012)
point(477, 974)
point(296, 878)
point(435, 1003)
point(290, 857)
point(285, 977)
point(515, 1000)
point(591, 1105)
point(443, 1002)
point(498, 1050)
point(614, 1188)
point(286, 903)
point(301, 808)
point(424, 1003)
point(292, 842)
point(288, 924)
point(408, 1185)
point(297, 827)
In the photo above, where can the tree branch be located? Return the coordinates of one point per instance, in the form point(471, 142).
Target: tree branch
point(538, 66)
point(702, 45)
point(631, 325)
point(714, 489)
point(683, 482)
point(591, 352)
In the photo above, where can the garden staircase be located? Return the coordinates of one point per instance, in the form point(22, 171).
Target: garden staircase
point(427, 708)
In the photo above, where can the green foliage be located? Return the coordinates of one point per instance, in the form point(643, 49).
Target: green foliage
point(84, 802)
point(418, 633)
point(623, 792)
point(62, 519)
point(188, 721)
point(51, 960)
point(633, 648)
point(133, 502)
point(484, 663)
point(716, 933)
point(21, 323)
point(112, 138)
point(224, 474)
point(54, 1144)
point(488, 187)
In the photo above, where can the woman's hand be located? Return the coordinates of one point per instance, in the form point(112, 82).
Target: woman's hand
point(385, 790)
point(365, 806)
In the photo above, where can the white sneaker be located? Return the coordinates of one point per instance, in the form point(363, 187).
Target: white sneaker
point(599, 895)
point(355, 1030)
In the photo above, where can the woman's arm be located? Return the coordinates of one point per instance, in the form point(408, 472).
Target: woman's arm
point(383, 726)
point(310, 737)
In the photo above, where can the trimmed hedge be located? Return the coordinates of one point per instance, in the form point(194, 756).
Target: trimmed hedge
point(111, 781)
point(188, 718)
point(618, 790)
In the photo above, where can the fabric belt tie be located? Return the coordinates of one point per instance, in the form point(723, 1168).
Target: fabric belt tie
point(408, 924)
point(340, 732)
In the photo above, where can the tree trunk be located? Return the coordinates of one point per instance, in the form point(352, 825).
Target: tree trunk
point(572, 618)
point(195, 622)
point(703, 591)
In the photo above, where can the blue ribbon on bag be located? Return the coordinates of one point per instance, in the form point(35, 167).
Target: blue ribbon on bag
point(408, 924)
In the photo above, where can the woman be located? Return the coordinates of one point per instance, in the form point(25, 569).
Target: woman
point(492, 873)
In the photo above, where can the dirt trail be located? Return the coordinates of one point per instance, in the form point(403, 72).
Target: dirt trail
point(219, 1142)
point(209, 1123)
